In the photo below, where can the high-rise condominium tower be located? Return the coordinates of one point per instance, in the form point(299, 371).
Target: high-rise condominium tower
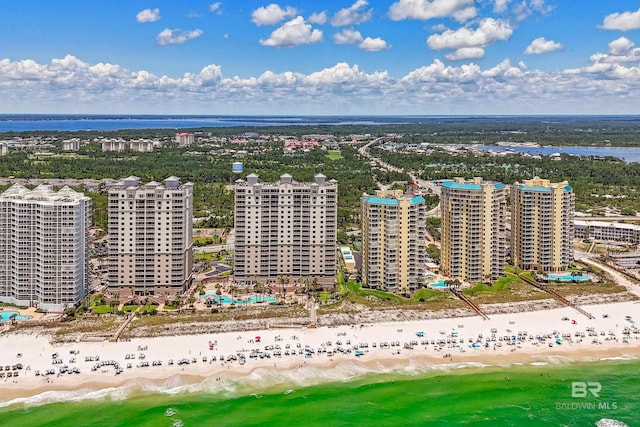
point(150, 237)
point(44, 247)
point(285, 228)
point(473, 229)
point(542, 225)
point(393, 245)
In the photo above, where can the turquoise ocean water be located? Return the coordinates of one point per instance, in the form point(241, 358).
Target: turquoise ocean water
point(522, 395)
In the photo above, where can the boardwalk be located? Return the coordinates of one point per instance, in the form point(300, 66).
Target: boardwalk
point(470, 303)
point(555, 295)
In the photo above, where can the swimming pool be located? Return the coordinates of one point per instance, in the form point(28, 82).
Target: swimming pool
point(5, 316)
point(224, 299)
point(439, 284)
point(568, 277)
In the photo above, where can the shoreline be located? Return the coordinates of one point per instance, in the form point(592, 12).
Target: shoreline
point(414, 354)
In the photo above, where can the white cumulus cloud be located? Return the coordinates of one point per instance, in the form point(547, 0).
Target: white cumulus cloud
point(215, 8)
point(500, 6)
point(489, 31)
point(351, 36)
point(293, 33)
point(526, 8)
point(608, 85)
point(465, 53)
point(624, 21)
point(318, 18)
point(356, 14)
point(347, 36)
point(542, 45)
point(272, 14)
point(169, 36)
point(148, 15)
point(460, 10)
point(371, 44)
point(621, 51)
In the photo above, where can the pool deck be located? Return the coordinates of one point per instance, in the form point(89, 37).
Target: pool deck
point(31, 311)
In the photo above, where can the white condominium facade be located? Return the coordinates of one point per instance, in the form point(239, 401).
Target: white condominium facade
point(285, 228)
point(393, 241)
point(117, 145)
point(542, 226)
point(150, 237)
point(184, 139)
point(44, 247)
point(474, 243)
point(607, 231)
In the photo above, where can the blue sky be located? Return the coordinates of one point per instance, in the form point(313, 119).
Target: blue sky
point(320, 57)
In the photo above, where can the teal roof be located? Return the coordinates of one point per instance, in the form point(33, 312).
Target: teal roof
point(393, 202)
point(469, 185)
point(568, 188)
point(537, 188)
point(459, 186)
point(380, 201)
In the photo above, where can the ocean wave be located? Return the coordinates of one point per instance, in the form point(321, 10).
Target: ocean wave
point(274, 379)
point(623, 357)
point(608, 422)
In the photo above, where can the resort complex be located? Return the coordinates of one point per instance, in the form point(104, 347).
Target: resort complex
point(150, 237)
point(285, 281)
point(393, 233)
point(44, 247)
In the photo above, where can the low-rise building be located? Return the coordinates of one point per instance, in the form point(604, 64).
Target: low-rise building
point(606, 231)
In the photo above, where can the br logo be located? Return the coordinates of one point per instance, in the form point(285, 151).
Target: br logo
point(582, 389)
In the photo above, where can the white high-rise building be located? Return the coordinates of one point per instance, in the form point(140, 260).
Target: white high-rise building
point(285, 228)
point(44, 247)
point(72, 144)
point(184, 139)
point(150, 237)
point(117, 145)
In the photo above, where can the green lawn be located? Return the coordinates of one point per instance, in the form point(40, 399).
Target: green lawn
point(325, 296)
point(148, 308)
point(334, 155)
point(101, 309)
point(425, 294)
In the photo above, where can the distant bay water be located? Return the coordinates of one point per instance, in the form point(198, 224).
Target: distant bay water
point(98, 123)
point(628, 154)
point(48, 122)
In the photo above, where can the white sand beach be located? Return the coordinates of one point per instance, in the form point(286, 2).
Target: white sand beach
point(310, 356)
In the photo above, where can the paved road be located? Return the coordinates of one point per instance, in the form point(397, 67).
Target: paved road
point(432, 186)
point(213, 248)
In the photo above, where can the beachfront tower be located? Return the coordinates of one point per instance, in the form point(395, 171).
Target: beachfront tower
point(44, 247)
point(473, 230)
point(285, 228)
point(393, 241)
point(542, 225)
point(150, 238)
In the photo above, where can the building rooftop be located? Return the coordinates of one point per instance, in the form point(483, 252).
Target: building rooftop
point(43, 192)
